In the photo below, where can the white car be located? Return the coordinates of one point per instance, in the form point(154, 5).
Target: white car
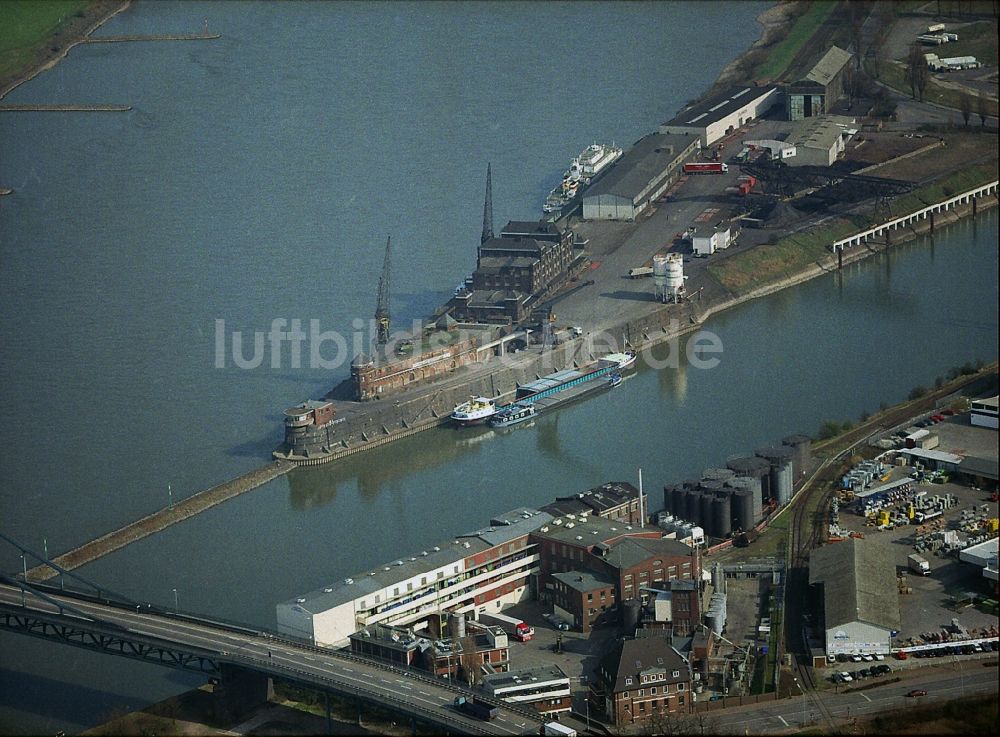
point(879, 656)
point(868, 658)
point(847, 677)
point(856, 658)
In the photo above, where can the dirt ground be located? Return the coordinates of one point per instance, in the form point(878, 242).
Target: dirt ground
point(961, 149)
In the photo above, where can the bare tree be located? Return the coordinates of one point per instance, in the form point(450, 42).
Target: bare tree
point(917, 73)
point(849, 80)
point(983, 109)
point(965, 107)
point(469, 660)
point(857, 13)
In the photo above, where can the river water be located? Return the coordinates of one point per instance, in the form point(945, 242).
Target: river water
point(257, 178)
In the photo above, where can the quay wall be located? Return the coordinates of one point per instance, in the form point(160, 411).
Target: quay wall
point(384, 423)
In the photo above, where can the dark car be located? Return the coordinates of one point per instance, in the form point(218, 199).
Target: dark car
point(841, 658)
point(917, 692)
point(994, 645)
point(884, 668)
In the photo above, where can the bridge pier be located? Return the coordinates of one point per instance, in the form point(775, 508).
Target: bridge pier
point(239, 692)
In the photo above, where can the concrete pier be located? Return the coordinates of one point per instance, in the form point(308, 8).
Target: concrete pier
point(69, 108)
point(152, 37)
point(162, 519)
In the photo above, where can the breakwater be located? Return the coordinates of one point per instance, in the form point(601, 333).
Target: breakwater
point(152, 37)
point(64, 108)
point(161, 519)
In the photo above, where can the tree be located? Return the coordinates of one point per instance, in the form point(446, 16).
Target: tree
point(983, 109)
point(917, 73)
point(849, 80)
point(857, 13)
point(965, 107)
point(469, 660)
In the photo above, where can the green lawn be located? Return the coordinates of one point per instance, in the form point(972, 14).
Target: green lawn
point(783, 53)
point(26, 24)
point(977, 39)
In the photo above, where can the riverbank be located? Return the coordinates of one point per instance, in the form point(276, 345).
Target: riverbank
point(53, 49)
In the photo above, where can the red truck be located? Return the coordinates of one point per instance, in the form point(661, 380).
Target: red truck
point(706, 167)
point(513, 627)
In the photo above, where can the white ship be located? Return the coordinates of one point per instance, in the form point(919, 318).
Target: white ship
point(592, 161)
point(474, 412)
point(582, 170)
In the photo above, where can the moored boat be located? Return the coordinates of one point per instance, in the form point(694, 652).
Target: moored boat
point(512, 414)
point(474, 412)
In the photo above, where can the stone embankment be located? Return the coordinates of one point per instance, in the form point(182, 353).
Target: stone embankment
point(161, 519)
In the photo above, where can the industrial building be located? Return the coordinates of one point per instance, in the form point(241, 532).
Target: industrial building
point(983, 412)
point(515, 559)
point(986, 555)
point(513, 272)
point(721, 115)
point(546, 688)
point(641, 175)
point(641, 680)
point(615, 500)
point(486, 568)
point(859, 595)
point(817, 92)
point(818, 141)
point(707, 243)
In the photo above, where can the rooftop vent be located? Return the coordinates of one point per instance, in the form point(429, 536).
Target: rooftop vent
point(570, 525)
point(386, 568)
point(398, 563)
point(348, 581)
point(465, 544)
point(579, 537)
point(300, 600)
point(327, 590)
point(423, 553)
point(437, 549)
point(545, 528)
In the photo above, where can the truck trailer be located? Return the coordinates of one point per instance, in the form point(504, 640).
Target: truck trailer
point(555, 729)
point(476, 708)
point(513, 627)
point(706, 167)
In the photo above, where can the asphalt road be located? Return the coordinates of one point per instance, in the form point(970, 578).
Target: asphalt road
point(407, 691)
point(967, 678)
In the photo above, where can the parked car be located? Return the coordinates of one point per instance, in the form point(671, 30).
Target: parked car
point(868, 658)
point(846, 677)
point(856, 658)
point(884, 668)
point(917, 692)
point(879, 656)
point(901, 655)
point(994, 645)
point(841, 658)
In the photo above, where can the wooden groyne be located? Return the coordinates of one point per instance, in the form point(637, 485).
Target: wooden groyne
point(67, 108)
point(162, 519)
point(152, 37)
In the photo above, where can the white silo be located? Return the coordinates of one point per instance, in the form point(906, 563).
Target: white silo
point(660, 276)
point(674, 277)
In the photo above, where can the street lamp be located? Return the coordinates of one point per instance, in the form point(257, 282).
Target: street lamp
point(177, 609)
point(803, 695)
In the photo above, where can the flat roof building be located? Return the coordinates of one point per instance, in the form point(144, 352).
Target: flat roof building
point(818, 141)
point(545, 688)
point(714, 118)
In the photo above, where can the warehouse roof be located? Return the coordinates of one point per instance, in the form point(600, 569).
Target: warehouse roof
point(632, 551)
point(859, 583)
point(607, 496)
point(716, 108)
point(510, 526)
point(985, 467)
point(645, 162)
point(531, 228)
point(829, 66)
point(536, 674)
point(821, 131)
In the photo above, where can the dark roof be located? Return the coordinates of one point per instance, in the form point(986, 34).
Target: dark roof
point(583, 581)
point(859, 583)
point(513, 245)
point(647, 160)
point(531, 227)
point(705, 113)
point(986, 467)
point(568, 505)
point(496, 298)
point(497, 263)
point(635, 658)
point(632, 551)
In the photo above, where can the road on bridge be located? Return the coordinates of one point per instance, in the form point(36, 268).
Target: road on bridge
point(410, 692)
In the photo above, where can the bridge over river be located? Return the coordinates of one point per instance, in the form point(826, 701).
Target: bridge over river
point(242, 660)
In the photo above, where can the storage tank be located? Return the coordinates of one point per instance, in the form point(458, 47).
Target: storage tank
point(456, 626)
point(631, 608)
point(742, 506)
point(675, 277)
point(753, 467)
point(718, 577)
point(722, 515)
point(660, 276)
point(800, 444)
point(717, 474)
point(673, 501)
point(705, 518)
point(782, 478)
point(752, 486)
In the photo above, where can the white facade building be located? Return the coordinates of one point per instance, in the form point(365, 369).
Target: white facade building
point(721, 115)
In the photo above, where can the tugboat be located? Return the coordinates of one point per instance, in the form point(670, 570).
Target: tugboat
point(474, 412)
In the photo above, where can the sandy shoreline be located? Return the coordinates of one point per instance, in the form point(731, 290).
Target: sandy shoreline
point(73, 34)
